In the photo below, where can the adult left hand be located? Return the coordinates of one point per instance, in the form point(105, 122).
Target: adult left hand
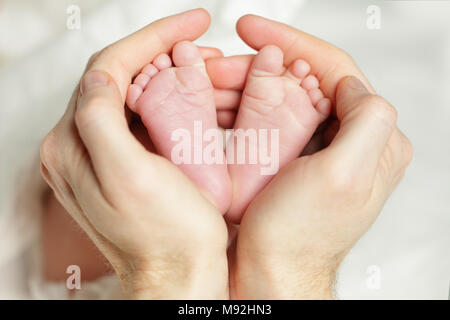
point(133, 203)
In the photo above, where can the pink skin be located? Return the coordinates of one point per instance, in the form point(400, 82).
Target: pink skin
point(275, 98)
point(169, 98)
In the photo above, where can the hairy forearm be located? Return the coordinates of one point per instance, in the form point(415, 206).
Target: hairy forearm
point(204, 278)
point(260, 277)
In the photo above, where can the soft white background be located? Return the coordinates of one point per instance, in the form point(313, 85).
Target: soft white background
point(407, 61)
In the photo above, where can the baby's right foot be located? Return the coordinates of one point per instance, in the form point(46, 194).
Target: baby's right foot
point(288, 100)
point(172, 98)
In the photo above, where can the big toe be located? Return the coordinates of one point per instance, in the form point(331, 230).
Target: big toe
point(190, 71)
point(186, 54)
point(268, 62)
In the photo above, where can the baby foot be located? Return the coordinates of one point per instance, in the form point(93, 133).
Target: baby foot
point(172, 98)
point(274, 98)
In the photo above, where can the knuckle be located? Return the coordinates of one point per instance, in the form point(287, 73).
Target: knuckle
point(389, 158)
point(103, 53)
point(380, 108)
point(92, 59)
point(51, 167)
point(46, 174)
point(92, 112)
point(108, 56)
point(48, 150)
point(346, 184)
point(408, 151)
point(338, 52)
point(344, 55)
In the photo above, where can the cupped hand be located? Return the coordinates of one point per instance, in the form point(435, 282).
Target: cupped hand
point(298, 229)
point(162, 237)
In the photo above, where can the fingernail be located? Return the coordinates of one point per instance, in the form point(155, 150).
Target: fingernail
point(93, 79)
point(355, 83)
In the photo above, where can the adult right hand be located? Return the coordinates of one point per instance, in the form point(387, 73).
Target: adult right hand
point(298, 229)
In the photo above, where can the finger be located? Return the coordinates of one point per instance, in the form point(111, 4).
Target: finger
point(367, 122)
point(104, 129)
point(89, 208)
point(227, 99)
point(258, 31)
point(67, 186)
point(56, 163)
point(396, 158)
point(209, 53)
point(229, 72)
point(125, 58)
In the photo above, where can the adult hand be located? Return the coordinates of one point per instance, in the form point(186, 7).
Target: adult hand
point(298, 229)
point(162, 237)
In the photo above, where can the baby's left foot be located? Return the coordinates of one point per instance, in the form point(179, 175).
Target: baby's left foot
point(288, 100)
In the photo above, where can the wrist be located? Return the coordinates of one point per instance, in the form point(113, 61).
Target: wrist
point(179, 278)
point(257, 276)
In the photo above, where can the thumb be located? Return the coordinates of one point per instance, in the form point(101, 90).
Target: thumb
point(102, 125)
point(366, 124)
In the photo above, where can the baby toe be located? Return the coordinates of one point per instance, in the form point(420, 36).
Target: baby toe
point(162, 61)
point(315, 94)
point(133, 94)
point(298, 70)
point(150, 70)
point(324, 108)
point(310, 82)
point(141, 80)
